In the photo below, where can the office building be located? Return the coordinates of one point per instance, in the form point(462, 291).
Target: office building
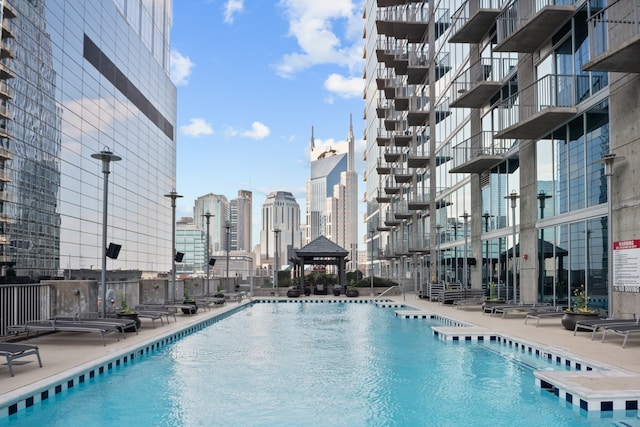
point(488, 126)
point(241, 219)
point(77, 78)
point(281, 230)
point(332, 197)
point(218, 207)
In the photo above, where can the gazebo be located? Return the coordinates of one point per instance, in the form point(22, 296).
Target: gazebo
point(321, 251)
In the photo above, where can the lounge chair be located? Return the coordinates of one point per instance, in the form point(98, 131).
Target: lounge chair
point(123, 324)
point(64, 326)
point(624, 331)
point(594, 325)
point(505, 309)
point(15, 351)
point(548, 312)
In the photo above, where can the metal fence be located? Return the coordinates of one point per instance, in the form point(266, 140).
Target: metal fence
point(21, 303)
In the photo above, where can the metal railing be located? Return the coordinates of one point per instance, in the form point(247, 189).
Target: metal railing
point(21, 303)
point(552, 90)
point(480, 144)
point(485, 70)
point(412, 12)
point(518, 13)
point(613, 26)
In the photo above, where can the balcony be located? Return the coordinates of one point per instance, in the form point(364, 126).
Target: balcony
point(405, 21)
point(390, 186)
point(8, 11)
point(383, 168)
point(392, 121)
point(418, 155)
point(5, 91)
point(478, 154)
point(383, 108)
point(383, 197)
point(476, 85)
point(419, 243)
point(385, 3)
point(6, 72)
point(392, 154)
point(474, 20)
point(418, 67)
point(418, 201)
point(519, 30)
point(5, 196)
point(383, 138)
point(538, 109)
point(390, 219)
point(402, 139)
point(418, 114)
point(401, 211)
point(402, 175)
point(4, 111)
point(614, 39)
point(7, 51)
point(401, 248)
point(401, 98)
point(6, 175)
point(8, 30)
point(5, 154)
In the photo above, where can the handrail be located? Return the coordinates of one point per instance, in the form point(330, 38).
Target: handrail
point(384, 292)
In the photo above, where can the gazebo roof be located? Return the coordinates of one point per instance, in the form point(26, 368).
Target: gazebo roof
point(321, 247)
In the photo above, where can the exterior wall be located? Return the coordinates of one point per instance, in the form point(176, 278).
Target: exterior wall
point(67, 104)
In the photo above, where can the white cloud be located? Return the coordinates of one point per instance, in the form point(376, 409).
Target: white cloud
point(180, 68)
point(315, 24)
point(231, 8)
point(258, 131)
point(197, 127)
point(345, 87)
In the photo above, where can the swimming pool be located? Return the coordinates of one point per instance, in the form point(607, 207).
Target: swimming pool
point(296, 364)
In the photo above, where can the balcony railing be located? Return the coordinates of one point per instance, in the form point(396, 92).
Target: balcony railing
point(614, 38)
point(407, 21)
point(474, 19)
point(541, 107)
point(521, 30)
point(476, 85)
point(479, 153)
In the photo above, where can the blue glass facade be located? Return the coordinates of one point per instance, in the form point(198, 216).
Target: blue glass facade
point(84, 76)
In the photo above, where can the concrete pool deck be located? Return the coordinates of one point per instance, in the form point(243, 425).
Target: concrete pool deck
point(63, 353)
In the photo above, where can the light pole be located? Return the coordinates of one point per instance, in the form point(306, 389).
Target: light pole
point(227, 226)
point(542, 199)
point(609, 160)
point(465, 216)
point(276, 232)
point(438, 228)
point(486, 216)
point(106, 157)
point(513, 197)
point(371, 242)
point(173, 195)
point(208, 216)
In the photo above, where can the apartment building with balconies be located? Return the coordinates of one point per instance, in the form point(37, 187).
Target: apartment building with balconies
point(500, 139)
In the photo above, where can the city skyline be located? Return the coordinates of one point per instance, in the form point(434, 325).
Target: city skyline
point(246, 108)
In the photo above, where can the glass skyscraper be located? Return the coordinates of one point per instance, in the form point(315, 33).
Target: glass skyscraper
point(76, 78)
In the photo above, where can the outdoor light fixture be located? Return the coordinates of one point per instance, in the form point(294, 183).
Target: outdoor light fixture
point(608, 160)
point(176, 256)
point(513, 197)
point(208, 216)
point(106, 157)
point(465, 269)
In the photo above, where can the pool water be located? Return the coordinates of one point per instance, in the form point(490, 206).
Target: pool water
point(296, 364)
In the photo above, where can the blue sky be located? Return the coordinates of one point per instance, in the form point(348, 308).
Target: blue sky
point(253, 77)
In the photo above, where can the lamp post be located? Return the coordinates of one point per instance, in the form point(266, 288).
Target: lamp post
point(465, 216)
point(608, 160)
point(106, 157)
point(173, 195)
point(276, 232)
point(486, 216)
point(371, 242)
point(208, 216)
point(227, 226)
point(438, 228)
point(513, 197)
point(542, 200)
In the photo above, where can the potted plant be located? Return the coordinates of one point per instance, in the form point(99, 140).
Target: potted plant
point(189, 301)
point(127, 313)
point(352, 291)
point(579, 311)
point(336, 290)
point(293, 292)
point(218, 293)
